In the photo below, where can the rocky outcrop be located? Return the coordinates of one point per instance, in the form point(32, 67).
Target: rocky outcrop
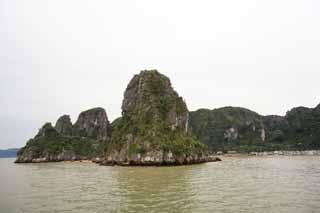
point(156, 158)
point(64, 142)
point(231, 134)
point(153, 129)
point(64, 125)
point(92, 123)
point(151, 92)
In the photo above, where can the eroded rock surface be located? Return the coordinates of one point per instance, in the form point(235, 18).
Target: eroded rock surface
point(64, 125)
point(92, 123)
point(153, 129)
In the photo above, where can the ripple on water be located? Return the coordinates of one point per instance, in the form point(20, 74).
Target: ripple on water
point(255, 184)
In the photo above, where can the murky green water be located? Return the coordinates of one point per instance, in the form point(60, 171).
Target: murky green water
point(255, 184)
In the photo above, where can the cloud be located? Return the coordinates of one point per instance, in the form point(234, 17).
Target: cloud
point(63, 57)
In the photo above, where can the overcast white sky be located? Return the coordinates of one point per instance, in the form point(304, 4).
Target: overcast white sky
point(65, 56)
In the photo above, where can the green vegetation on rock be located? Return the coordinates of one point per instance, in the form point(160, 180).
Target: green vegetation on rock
point(49, 145)
point(154, 120)
point(156, 129)
point(84, 140)
point(239, 129)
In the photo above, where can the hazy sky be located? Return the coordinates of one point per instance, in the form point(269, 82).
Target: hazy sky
point(62, 57)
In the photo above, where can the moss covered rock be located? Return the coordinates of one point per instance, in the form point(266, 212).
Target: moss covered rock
point(84, 140)
point(228, 128)
point(235, 128)
point(154, 127)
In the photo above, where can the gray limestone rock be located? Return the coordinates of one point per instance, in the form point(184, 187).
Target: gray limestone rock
point(93, 124)
point(64, 125)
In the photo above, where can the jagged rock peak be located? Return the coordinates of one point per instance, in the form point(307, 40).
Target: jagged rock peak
point(92, 123)
point(151, 92)
point(64, 125)
point(47, 130)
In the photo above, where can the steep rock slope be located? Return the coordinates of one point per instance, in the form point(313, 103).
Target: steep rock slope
point(64, 125)
point(153, 129)
point(92, 123)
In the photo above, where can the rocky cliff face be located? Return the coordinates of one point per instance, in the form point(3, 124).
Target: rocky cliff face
point(153, 129)
point(64, 125)
point(234, 128)
point(92, 123)
point(84, 140)
point(151, 92)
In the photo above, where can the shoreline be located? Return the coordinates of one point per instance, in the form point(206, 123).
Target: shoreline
point(270, 153)
point(103, 162)
point(214, 157)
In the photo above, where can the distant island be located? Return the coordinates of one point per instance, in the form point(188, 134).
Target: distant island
point(156, 128)
point(242, 130)
point(8, 153)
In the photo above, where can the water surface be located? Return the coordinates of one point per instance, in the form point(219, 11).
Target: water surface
point(249, 184)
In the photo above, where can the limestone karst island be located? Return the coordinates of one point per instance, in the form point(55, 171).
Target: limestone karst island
point(156, 128)
point(153, 130)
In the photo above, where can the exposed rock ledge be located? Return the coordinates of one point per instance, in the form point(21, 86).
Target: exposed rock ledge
point(143, 161)
point(53, 158)
point(156, 158)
